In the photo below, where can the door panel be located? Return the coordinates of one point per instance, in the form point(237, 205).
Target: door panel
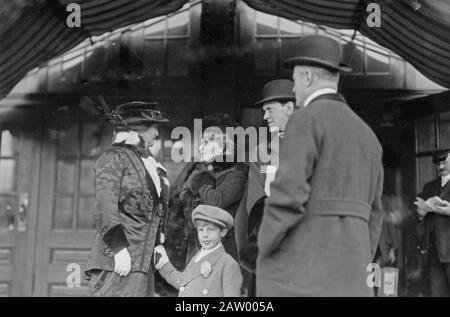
point(17, 148)
point(67, 193)
point(9, 163)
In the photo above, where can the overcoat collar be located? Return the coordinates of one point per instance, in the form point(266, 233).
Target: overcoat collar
point(446, 189)
point(334, 97)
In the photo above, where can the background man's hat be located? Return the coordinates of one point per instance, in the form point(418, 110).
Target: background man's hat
point(277, 90)
point(440, 155)
point(139, 112)
point(212, 214)
point(318, 50)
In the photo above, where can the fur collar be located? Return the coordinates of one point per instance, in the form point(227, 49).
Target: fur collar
point(128, 137)
point(220, 163)
point(133, 140)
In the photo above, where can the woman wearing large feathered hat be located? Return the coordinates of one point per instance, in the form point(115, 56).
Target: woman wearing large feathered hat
point(130, 204)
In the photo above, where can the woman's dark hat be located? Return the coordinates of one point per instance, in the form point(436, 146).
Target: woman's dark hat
point(318, 50)
point(139, 112)
point(125, 115)
point(220, 120)
point(277, 90)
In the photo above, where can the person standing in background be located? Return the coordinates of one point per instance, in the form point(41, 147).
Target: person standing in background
point(278, 104)
point(322, 221)
point(434, 227)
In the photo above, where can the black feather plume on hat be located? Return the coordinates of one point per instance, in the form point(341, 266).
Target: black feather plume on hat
point(100, 108)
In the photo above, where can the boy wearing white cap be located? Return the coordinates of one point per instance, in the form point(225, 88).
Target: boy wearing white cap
point(211, 272)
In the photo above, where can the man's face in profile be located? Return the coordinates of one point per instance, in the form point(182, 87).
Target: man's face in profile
point(444, 166)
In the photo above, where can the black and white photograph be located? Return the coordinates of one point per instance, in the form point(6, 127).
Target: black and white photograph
point(242, 150)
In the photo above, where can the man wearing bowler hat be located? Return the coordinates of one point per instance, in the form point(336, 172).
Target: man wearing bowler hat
point(278, 104)
point(323, 219)
point(434, 227)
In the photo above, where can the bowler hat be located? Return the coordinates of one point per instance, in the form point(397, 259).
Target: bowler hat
point(138, 112)
point(318, 50)
point(278, 89)
point(212, 214)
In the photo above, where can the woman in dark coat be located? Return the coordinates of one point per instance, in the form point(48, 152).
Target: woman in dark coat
point(130, 207)
point(217, 180)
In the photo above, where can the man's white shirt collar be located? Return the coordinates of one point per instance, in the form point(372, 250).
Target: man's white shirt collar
point(204, 253)
point(318, 93)
point(444, 180)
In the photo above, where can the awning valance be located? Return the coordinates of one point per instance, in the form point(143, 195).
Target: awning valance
point(34, 31)
point(417, 30)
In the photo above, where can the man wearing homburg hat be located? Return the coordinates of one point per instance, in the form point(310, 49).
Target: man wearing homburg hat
point(322, 221)
point(278, 104)
point(434, 233)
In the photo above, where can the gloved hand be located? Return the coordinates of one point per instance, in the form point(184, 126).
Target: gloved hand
point(122, 262)
point(160, 256)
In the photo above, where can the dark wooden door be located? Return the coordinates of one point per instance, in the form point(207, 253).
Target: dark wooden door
point(67, 190)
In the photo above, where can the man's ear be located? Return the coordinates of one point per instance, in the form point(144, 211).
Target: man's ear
point(223, 232)
point(290, 106)
point(308, 76)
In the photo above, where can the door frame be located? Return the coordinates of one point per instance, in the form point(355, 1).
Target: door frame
point(23, 250)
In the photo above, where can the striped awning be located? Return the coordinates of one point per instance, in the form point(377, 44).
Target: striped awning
point(34, 31)
point(417, 30)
